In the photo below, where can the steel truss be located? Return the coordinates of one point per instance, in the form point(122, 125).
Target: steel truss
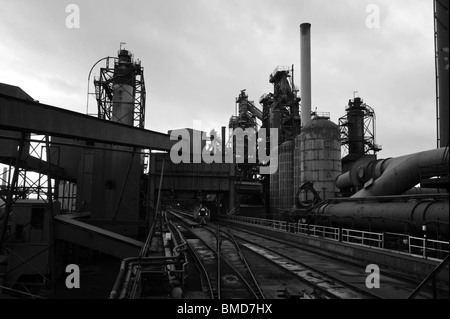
point(370, 147)
point(104, 92)
point(24, 184)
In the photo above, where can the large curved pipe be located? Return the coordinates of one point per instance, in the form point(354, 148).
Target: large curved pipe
point(362, 171)
point(392, 176)
point(404, 214)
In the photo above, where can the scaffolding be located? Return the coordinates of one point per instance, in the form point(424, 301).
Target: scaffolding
point(369, 124)
point(28, 176)
point(104, 91)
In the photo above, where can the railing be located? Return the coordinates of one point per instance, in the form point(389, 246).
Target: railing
point(428, 248)
point(319, 115)
point(363, 238)
point(267, 223)
point(414, 246)
point(315, 230)
point(431, 277)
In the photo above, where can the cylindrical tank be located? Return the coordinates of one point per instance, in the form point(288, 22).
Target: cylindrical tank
point(286, 172)
point(123, 98)
point(320, 157)
point(274, 184)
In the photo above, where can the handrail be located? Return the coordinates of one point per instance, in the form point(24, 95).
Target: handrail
point(432, 277)
point(373, 237)
point(138, 260)
point(432, 249)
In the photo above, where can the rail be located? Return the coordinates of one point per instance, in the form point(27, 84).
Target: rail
point(363, 238)
point(410, 245)
point(258, 293)
point(427, 248)
point(321, 115)
point(431, 277)
point(315, 230)
point(269, 223)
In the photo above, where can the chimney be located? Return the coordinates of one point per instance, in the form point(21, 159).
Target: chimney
point(305, 72)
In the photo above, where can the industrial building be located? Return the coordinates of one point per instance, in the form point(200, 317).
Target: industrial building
point(77, 188)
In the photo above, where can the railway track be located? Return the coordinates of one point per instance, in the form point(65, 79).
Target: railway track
point(329, 286)
point(331, 276)
point(230, 249)
point(393, 286)
point(326, 286)
point(226, 273)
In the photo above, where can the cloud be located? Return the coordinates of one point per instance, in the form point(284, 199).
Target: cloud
point(198, 54)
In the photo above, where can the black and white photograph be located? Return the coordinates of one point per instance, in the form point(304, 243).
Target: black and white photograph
point(224, 158)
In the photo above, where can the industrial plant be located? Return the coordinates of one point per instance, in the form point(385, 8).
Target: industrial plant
point(278, 203)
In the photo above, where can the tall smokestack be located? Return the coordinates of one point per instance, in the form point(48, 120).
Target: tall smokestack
point(305, 72)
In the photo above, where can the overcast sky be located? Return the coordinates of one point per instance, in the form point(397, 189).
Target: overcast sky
point(198, 54)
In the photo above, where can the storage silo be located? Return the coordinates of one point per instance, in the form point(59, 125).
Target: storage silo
point(286, 178)
point(320, 157)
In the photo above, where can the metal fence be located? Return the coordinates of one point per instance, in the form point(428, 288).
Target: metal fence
point(267, 223)
point(363, 238)
point(315, 230)
point(414, 246)
point(427, 248)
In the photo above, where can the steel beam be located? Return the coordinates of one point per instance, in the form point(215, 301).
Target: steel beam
point(74, 231)
point(34, 117)
point(37, 165)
